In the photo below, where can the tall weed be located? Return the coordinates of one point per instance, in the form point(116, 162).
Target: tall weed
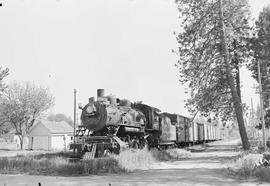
point(57, 165)
point(133, 159)
point(245, 165)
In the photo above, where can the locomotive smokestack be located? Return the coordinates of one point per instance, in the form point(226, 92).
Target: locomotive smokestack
point(100, 92)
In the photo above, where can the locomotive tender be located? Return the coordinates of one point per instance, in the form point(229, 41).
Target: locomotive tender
point(110, 124)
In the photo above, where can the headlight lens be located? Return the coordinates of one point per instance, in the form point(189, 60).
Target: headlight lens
point(90, 109)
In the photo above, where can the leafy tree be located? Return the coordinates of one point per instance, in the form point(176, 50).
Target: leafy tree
point(3, 73)
point(211, 47)
point(260, 45)
point(267, 121)
point(60, 117)
point(22, 104)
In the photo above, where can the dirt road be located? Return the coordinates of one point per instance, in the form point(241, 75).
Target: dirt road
point(204, 168)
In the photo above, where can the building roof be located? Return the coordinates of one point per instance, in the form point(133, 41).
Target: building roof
point(55, 127)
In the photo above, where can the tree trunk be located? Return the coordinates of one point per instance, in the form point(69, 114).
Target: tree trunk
point(21, 141)
point(236, 99)
point(235, 62)
point(238, 86)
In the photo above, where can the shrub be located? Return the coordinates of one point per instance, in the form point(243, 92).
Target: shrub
point(248, 165)
point(245, 165)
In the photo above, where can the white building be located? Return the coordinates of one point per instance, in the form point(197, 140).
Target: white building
point(50, 135)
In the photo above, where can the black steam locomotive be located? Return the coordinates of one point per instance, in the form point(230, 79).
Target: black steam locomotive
point(110, 124)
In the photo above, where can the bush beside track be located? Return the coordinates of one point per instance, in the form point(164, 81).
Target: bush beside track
point(248, 165)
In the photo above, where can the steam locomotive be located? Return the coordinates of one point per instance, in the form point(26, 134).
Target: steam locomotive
point(110, 125)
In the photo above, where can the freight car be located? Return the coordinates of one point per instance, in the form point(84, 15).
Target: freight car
point(188, 132)
point(110, 124)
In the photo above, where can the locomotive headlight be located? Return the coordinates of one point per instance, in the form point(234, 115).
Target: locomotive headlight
point(91, 108)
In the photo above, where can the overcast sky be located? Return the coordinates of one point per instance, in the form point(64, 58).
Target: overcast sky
point(123, 46)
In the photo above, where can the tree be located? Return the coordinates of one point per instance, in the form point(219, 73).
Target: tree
point(3, 73)
point(60, 117)
point(259, 46)
point(22, 104)
point(211, 47)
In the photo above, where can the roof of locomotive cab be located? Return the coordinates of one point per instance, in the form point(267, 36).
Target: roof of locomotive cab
point(146, 106)
point(174, 115)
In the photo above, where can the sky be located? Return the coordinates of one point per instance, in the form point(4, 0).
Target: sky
point(122, 46)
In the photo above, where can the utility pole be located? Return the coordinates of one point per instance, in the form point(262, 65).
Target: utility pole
point(261, 104)
point(74, 129)
point(252, 111)
point(252, 119)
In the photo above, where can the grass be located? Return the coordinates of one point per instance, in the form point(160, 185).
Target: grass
point(170, 154)
point(58, 165)
point(247, 165)
point(263, 173)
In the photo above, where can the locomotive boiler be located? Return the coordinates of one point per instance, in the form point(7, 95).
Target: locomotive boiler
point(111, 116)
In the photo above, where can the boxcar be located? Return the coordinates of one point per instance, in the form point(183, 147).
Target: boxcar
point(184, 129)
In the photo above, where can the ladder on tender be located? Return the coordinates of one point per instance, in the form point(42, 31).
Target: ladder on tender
point(90, 155)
